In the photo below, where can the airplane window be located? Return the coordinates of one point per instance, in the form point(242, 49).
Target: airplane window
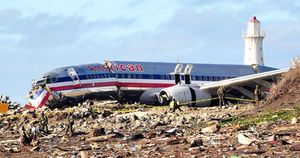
point(129, 76)
point(54, 79)
point(156, 76)
point(48, 80)
point(140, 76)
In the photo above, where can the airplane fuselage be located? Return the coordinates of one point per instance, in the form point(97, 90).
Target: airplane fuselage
point(135, 77)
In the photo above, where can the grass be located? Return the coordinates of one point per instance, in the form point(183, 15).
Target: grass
point(261, 118)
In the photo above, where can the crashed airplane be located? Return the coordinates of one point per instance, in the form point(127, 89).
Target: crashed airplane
point(157, 82)
point(148, 82)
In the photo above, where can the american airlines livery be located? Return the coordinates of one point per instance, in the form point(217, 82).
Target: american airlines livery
point(150, 82)
point(158, 82)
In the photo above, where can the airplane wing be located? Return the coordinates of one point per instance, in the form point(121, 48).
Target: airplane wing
point(237, 83)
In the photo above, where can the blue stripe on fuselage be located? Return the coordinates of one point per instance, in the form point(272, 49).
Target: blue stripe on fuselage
point(140, 76)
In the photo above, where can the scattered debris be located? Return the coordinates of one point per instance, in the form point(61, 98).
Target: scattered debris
point(196, 143)
point(245, 139)
point(142, 131)
point(294, 120)
point(210, 129)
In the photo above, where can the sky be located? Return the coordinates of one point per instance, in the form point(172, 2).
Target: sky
point(37, 36)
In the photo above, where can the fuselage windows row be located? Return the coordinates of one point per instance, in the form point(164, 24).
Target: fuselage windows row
point(150, 76)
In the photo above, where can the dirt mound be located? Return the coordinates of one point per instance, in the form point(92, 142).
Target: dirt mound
point(286, 93)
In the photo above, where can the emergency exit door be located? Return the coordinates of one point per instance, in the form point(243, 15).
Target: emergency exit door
point(74, 76)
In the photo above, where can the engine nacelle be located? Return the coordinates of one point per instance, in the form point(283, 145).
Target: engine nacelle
point(185, 94)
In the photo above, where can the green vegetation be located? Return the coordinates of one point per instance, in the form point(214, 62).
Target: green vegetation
point(261, 118)
point(297, 110)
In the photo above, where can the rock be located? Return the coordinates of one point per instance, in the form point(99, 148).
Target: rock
point(196, 149)
point(176, 140)
point(244, 139)
point(294, 120)
point(84, 154)
point(117, 135)
point(36, 148)
point(98, 132)
point(101, 138)
point(172, 131)
point(254, 152)
point(196, 143)
point(106, 113)
point(14, 150)
point(82, 139)
point(135, 136)
point(62, 116)
point(134, 117)
point(235, 107)
point(84, 112)
point(204, 116)
point(158, 123)
point(295, 147)
point(210, 129)
point(94, 146)
point(271, 138)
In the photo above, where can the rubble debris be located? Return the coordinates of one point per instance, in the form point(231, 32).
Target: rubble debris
point(211, 129)
point(245, 139)
point(152, 133)
point(196, 143)
point(294, 120)
point(135, 136)
point(106, 113)
point(84, 154)
point(13, 107)
point(98, 132)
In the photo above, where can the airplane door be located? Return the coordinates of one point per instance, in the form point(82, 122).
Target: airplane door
point(74, 76)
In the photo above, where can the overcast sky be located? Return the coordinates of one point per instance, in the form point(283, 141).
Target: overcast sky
point(37, 36)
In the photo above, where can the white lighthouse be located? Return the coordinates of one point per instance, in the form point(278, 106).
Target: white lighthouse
point(253, 43)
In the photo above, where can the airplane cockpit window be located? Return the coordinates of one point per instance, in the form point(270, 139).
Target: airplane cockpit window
point(54, 79)
point(48, 79)
point(40, 82)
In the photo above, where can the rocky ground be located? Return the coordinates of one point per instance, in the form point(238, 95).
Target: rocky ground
point(242, 130)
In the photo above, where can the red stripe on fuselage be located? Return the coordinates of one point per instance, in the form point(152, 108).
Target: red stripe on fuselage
point(43, 102)
point(120, 84)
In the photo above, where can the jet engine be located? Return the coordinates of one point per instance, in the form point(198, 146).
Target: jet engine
point(185, 94)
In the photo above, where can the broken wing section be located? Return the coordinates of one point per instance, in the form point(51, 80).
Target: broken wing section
point(244, 85)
